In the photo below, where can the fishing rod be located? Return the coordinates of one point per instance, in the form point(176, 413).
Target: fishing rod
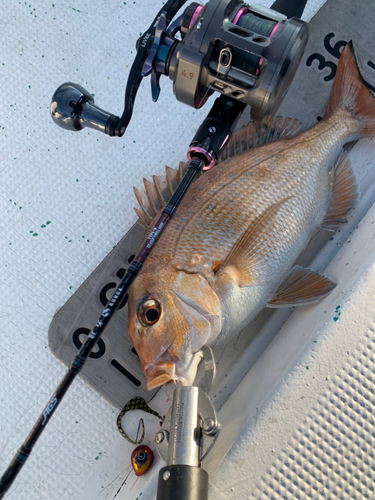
point(236, 68)
point(195, 165)
point(203, 152)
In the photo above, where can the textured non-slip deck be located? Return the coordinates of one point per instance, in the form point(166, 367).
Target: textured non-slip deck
point(295, 392)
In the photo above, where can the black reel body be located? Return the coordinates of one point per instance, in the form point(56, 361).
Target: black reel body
point(247, 53)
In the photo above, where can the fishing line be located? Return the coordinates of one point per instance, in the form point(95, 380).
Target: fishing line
point(265, 28)
point(195, 166)
point(122, 484)
point(207, 91)
point(199, 105)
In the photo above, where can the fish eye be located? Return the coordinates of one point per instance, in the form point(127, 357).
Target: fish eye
point(149, 312)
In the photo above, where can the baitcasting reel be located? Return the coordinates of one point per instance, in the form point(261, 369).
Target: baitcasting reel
point(249, 53)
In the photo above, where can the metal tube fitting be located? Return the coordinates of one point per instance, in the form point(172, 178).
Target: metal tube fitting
point(184, 435)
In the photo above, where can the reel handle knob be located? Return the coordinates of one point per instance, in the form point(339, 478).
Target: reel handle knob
point(73, 108)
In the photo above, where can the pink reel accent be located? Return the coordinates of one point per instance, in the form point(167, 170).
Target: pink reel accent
point(195, 15)
point(243, 10)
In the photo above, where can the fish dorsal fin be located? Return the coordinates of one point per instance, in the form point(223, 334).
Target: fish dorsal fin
point(345, 193)
point(157, 193)
point(255, 134)
point(301, 286)
point(245, 261)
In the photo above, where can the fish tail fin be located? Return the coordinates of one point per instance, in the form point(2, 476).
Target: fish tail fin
point(351, 94)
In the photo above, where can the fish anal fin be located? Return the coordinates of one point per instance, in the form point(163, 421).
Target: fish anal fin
point(345, 193)
point(301, 286)
point(255, 134)
point(244, 263)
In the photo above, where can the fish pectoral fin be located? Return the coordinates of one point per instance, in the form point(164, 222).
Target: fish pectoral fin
point(246, 259)
point(301, 286)
point(345, 193)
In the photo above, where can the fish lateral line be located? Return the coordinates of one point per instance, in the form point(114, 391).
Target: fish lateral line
point(249, 269)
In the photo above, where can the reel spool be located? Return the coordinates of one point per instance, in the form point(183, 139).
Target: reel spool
point(247, 53)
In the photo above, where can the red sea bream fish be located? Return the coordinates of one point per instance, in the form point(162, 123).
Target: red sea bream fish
point(229, 250)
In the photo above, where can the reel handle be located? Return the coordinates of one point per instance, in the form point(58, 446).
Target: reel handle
point(85, 113)
point(73, 108)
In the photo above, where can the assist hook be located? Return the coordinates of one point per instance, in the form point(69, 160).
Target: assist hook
point(136, 403)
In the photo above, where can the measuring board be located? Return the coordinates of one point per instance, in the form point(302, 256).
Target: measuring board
point(113, 367)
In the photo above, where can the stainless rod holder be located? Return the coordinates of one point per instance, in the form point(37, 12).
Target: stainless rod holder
point(184, 434)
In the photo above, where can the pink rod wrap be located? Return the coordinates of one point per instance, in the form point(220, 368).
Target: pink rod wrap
point(209, 159)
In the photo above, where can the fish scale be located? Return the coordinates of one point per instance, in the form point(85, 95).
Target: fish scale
point(251, 195)
point(229, 249)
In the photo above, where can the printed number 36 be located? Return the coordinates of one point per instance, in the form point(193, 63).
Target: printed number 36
point(334, 51)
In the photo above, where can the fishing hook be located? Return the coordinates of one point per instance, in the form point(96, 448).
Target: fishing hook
point(136, 403)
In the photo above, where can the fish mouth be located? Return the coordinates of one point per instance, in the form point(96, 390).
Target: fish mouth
point(165, 369)
point(159, 375)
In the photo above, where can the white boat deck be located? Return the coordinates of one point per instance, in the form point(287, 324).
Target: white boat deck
point(298, 403)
